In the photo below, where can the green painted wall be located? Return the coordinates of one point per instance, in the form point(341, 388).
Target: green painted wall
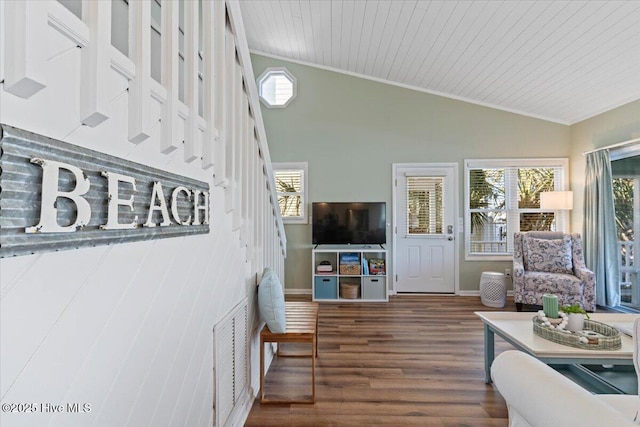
point(350, 130)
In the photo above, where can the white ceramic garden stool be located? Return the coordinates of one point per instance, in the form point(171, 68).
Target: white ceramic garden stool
point(493, 289)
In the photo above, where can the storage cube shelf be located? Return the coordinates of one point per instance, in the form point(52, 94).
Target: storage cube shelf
point(348, 274)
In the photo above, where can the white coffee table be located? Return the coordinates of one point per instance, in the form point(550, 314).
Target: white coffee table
point(517, 329)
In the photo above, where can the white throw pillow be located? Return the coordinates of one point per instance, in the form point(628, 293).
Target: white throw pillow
point(271, 302)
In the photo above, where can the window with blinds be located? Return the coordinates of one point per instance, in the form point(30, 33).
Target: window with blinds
point(503, 197)
point(290, 180)
point(424, 205)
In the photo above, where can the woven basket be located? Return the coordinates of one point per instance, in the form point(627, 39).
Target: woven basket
point(350, 269)
point(605, 338)
point(349, 290)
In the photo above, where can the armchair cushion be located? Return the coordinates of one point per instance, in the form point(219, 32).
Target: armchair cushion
point(545, 255)
point(552, 283)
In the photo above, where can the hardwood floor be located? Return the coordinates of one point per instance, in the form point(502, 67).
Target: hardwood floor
point(417, 360)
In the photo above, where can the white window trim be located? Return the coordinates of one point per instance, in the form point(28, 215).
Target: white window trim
point(303, 166)
point(561, 162)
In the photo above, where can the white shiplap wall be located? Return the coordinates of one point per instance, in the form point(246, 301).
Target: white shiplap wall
point(128, 328)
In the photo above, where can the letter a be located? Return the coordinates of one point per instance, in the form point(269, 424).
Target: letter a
point(158, 194)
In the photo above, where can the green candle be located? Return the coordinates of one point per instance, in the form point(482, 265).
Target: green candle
point(550, 306)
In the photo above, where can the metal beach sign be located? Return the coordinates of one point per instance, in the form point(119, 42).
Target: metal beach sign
point(55, 195)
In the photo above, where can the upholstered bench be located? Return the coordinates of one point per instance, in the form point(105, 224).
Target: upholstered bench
point(302, 327)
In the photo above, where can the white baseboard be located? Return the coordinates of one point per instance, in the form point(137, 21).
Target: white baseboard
point(472, 293)
point(468, 293)
point(476, 293)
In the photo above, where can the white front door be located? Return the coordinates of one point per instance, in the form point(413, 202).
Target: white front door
point(425, 209)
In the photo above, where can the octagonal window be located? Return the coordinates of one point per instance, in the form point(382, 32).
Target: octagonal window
point(276, 87)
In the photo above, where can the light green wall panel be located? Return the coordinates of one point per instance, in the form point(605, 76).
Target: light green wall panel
point(350, 130)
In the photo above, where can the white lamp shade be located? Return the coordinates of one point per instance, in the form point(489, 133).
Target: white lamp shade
point(556, 200)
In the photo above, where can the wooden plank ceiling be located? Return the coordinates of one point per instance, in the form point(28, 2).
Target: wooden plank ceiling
point(563, 61)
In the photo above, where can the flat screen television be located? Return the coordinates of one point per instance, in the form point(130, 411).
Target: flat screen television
point(356, 223)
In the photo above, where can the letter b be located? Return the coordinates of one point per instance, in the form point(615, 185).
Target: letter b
point(50, 193)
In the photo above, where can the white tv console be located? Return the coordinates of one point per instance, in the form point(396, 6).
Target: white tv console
point(360, 272)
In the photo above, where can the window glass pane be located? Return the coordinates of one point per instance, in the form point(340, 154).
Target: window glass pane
point(624, 203)
point(531, 182)
point(277, 89)
point(623, 198)
point(289, 185)
point(487, 189)
point(120, 25)
point(424, 205)
point(489, 232)
point(289, 181)
point(290, 205)
point(537, 221)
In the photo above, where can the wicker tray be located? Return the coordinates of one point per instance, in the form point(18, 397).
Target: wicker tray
point(600, 335)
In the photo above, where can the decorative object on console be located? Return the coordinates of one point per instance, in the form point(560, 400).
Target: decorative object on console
point(377, 266)
point(349, 290)
point(324, 267)
point(550, 305)
point(350, 263)
point(576, 315)
point(595, 336)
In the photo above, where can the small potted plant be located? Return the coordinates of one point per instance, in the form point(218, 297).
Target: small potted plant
point(576, 316)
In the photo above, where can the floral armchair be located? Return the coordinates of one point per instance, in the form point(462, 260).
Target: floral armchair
point(546, 262)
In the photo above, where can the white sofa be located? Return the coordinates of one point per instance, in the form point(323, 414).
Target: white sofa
point(538, 396)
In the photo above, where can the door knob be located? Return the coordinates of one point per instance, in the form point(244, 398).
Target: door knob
point(450, 238)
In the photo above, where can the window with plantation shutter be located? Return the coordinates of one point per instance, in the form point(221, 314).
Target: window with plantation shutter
point(424, 211)
point(291, 187)
point(503, 197)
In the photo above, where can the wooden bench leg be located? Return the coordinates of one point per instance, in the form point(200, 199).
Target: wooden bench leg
point(314, 351)
point(261, 370)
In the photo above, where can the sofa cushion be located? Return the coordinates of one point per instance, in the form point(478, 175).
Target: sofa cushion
point(627, 404)
point(548, 255)
point(539, 396)
point(271, 302)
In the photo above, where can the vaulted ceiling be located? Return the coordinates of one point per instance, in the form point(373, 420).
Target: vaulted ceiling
point(563, 61)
